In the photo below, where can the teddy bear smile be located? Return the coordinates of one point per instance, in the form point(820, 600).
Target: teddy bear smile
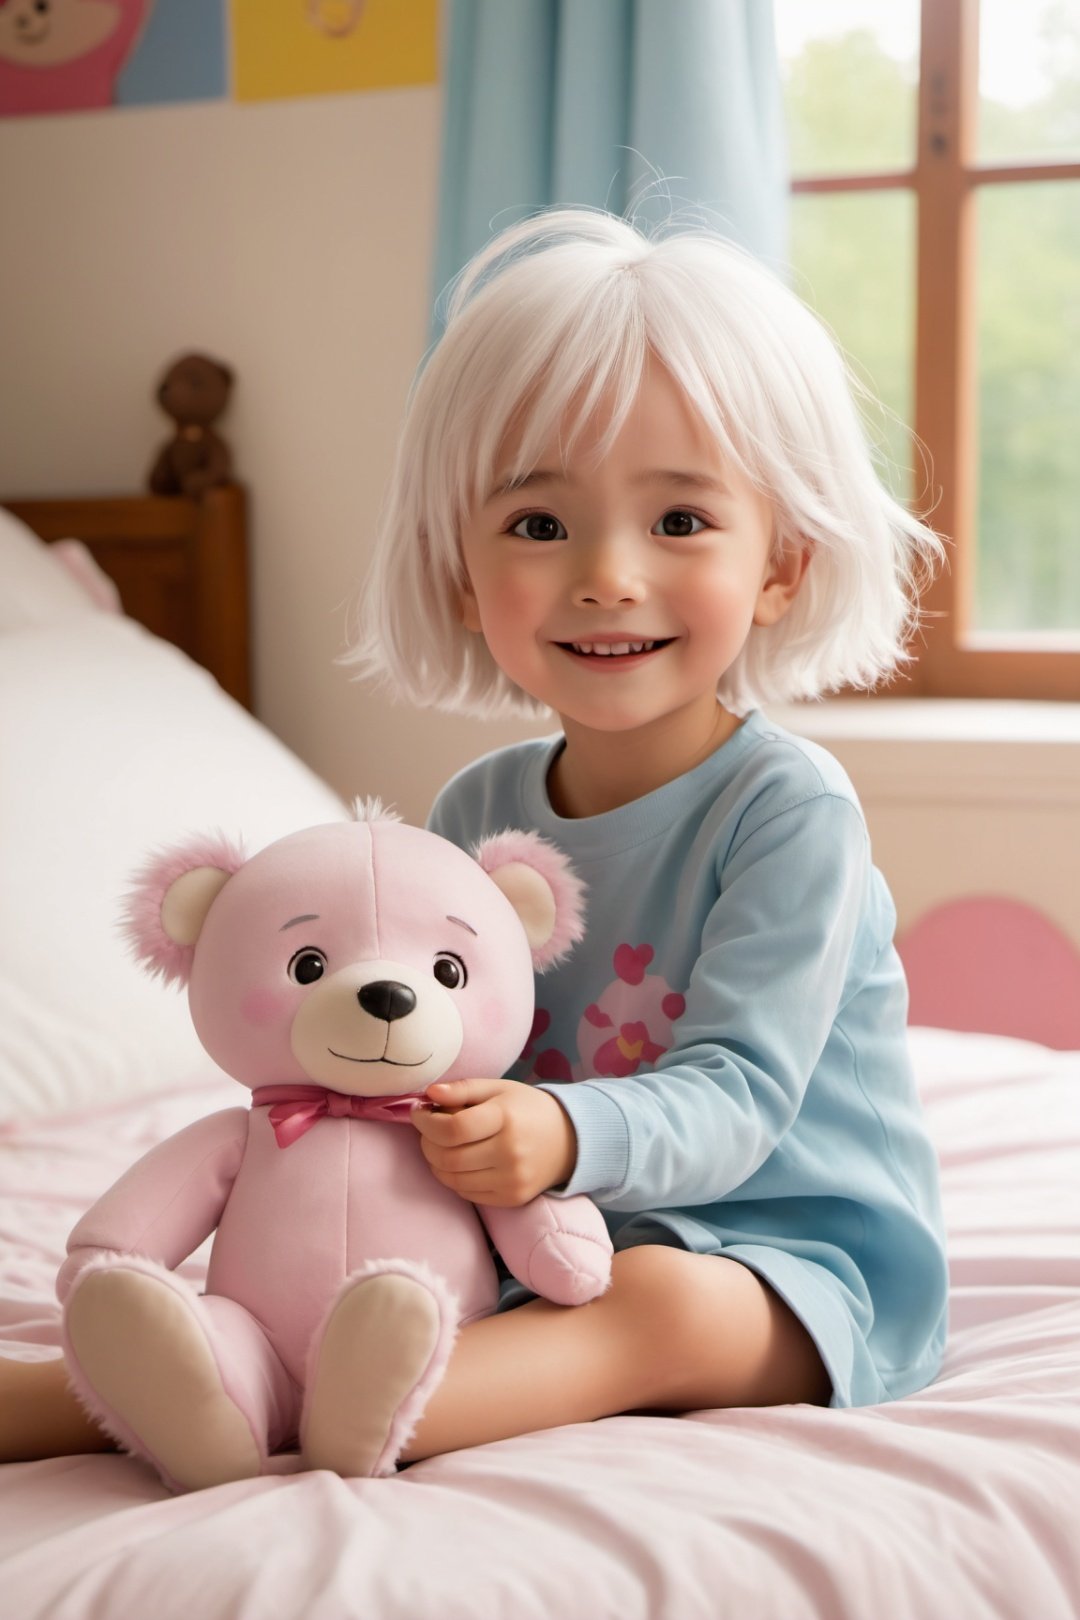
point(397, 1063)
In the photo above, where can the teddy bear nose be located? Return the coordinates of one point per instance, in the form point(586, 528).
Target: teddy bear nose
point(386, 998)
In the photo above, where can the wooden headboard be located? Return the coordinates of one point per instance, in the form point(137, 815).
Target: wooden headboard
point(180, 567)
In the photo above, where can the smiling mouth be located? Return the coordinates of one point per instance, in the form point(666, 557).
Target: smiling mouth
point(395, 1063)
point(614, 649)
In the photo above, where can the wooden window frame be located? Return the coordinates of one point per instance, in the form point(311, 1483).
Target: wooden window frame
point(953, 661)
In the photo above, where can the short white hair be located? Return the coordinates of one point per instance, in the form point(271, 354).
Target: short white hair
point(558, 316)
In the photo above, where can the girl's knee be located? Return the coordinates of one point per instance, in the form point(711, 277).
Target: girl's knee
point(709, 1332)
point(669, 1285)
point(669, 1317)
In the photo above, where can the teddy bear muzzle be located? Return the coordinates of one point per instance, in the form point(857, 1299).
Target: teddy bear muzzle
point(376, 1029)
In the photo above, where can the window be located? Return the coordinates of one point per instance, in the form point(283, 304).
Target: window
point(936, 228)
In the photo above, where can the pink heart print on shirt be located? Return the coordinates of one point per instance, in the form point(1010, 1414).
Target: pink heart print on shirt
point(630, 1049)
point(630, 1026)
point(630, 963)
point(627, 1028)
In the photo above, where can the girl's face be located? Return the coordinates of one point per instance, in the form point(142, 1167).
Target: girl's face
point(619, 593)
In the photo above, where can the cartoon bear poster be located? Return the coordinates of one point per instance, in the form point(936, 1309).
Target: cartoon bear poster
point(73, 55)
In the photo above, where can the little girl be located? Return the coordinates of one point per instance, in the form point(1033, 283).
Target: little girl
point(633, 489)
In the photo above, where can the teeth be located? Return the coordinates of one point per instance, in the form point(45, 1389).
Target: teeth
point(612, 649)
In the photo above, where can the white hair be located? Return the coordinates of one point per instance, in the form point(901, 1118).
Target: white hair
point(558, 316)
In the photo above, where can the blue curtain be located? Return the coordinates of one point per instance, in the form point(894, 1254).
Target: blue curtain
point(658, 106)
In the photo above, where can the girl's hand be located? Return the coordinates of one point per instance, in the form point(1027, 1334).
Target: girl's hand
point(496, 1142)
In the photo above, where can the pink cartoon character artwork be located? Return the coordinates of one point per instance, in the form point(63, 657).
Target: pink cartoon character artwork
point(336, 974)
point(65, 55)
point(628, 1027)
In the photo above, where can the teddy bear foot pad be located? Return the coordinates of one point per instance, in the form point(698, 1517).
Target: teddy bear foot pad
point(383, 1351)
point(139, 1346)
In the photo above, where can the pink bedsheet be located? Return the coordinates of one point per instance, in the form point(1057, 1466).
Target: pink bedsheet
point(961, 1501)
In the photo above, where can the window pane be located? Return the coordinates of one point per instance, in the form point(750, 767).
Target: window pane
point(1027, 564)
point(1029, 79)
point(850, 71)
point(854, 258)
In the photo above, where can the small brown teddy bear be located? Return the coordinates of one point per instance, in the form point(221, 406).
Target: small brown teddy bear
point(194, 392)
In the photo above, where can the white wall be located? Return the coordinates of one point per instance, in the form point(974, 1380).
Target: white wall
point(293, 239)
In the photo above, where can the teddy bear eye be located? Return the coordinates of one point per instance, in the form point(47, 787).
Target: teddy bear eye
point(307, 966)
point(450, 970)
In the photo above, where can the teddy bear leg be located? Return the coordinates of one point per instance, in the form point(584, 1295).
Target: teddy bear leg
point(374, 1364)
point(190, 1383)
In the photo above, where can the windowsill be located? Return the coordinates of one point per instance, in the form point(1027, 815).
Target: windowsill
point(926, 750)
point(932, 720)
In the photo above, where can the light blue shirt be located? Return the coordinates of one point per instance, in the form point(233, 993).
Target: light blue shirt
point(734, 1025)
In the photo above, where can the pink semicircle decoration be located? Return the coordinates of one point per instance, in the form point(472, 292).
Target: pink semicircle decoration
point(994, 965)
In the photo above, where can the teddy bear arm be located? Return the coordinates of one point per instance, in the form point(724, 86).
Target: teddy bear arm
point(168, 1202)
point(162, 480)
point(558, 1247)
point(207, 469)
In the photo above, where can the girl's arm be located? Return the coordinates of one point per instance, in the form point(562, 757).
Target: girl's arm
point(168, 1202)
point(776, 953)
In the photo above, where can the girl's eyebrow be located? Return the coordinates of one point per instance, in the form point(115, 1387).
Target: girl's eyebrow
point(657, 475)
point(692, 480)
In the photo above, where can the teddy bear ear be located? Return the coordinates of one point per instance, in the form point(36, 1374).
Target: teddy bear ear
point(543, 889)
point(170, 897)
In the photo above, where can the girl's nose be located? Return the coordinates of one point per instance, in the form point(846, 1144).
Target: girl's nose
point(609, 577)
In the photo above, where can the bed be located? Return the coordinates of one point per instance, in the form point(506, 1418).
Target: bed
point(959, 1501)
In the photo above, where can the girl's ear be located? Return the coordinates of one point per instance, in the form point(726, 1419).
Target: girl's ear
point(781, 583)
point(467, 608)
point(170, 898)
point(543, 889)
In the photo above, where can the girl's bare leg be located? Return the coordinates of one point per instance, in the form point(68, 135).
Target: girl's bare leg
point(676, 1331)
point(39, 1415)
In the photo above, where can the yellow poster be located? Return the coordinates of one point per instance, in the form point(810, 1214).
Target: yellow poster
point(284, 48)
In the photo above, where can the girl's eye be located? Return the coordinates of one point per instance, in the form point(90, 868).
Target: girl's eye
point(450, 971)
point(679, 524)
point(307, 966)
point(539, 526)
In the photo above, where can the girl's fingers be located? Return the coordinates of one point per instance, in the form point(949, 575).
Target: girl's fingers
point(455, 1161)
point(464, 1093)
point(478, 1186)
point(459, 1129)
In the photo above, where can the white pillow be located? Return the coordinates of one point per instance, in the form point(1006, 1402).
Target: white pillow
point(36, 588)
point(111, 743)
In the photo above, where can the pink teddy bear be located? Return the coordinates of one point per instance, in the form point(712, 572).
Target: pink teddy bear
point(337, 973)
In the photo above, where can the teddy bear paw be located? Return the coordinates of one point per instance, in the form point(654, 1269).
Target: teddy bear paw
point(143, 1365)
point(570, 1268)
point(381, 1353)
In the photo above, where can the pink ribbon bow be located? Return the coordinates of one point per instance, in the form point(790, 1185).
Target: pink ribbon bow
point(295, 1109)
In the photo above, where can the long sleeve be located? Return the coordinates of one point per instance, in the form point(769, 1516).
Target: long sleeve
point(762, 999)
point(729, 1039)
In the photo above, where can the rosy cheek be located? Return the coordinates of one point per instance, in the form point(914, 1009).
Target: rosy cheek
point(262, 1007)
point(493, 1016)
